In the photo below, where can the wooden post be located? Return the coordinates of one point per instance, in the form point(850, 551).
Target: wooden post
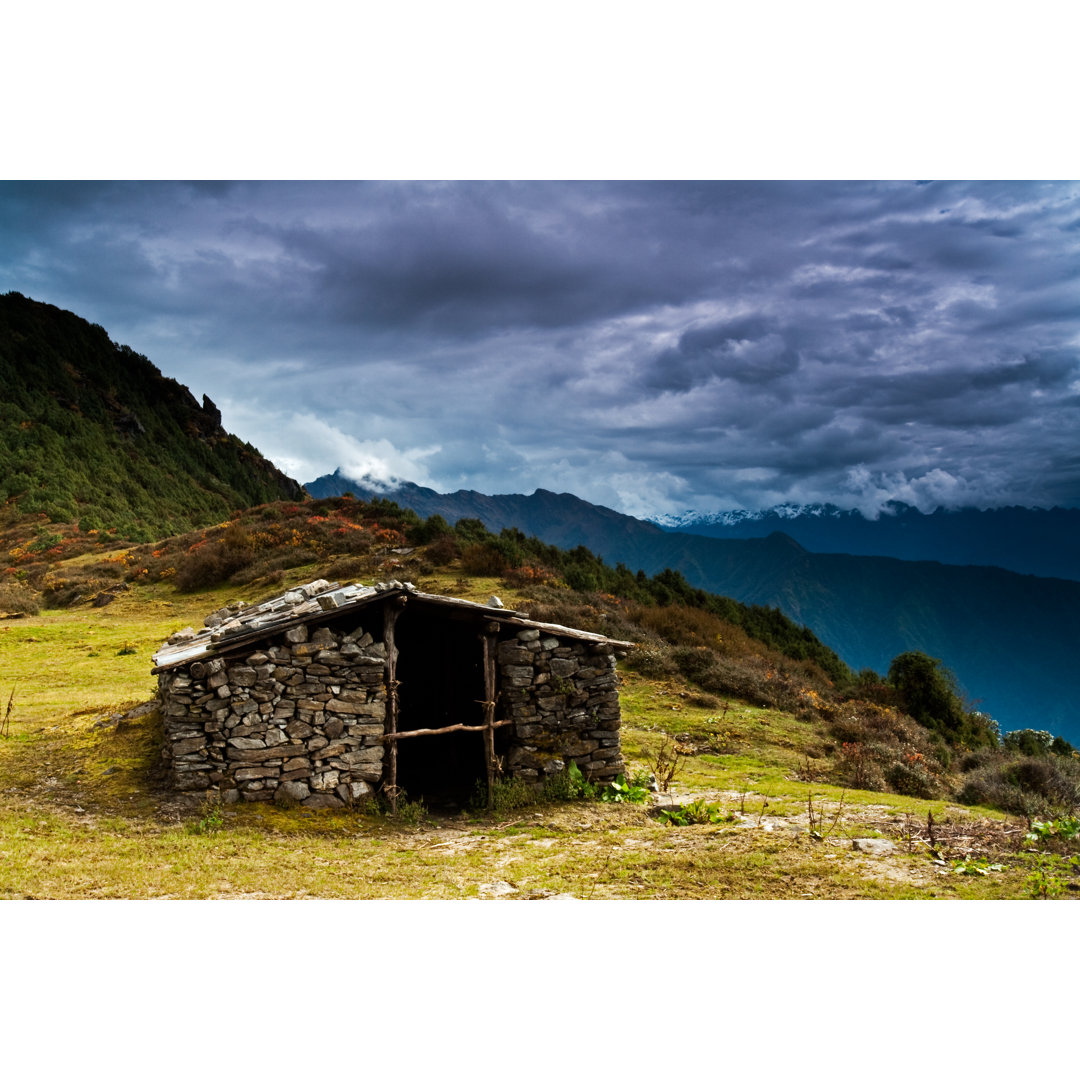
point(390, 614)
point(489, 714)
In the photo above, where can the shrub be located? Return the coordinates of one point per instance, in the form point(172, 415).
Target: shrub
point(509, 793)
point(696, 663)
point(988, 787)
point(209, 566)
point(1045, 786)
point(1045, 778)
point(882, 749)
point(913, 779)
point(652, 661)
point(483, 560)
point(682, 625)
point(581, 579)
point(74, 584)
point(870, 686)
point(979, 759)
point(1029, 742)
point(443, 550)
point(529, 574)
point(17, 598)
point(926, 691)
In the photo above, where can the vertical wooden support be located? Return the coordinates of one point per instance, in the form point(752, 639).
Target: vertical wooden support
point(390, 614)
point(489, 715)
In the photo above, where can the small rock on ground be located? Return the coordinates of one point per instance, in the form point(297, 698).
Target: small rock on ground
point(873, 846)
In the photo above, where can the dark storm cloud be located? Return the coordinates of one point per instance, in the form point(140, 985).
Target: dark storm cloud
point(649, 346)
point(748, 350)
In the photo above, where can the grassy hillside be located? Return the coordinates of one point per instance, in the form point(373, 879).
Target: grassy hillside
point(804, 784)
point(94, 438)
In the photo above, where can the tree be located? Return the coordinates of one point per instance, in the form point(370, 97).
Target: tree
point(926, 690)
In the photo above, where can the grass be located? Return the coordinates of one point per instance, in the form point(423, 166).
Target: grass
point(84, 811)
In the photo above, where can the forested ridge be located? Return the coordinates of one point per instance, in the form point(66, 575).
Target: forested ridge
point(92, 434)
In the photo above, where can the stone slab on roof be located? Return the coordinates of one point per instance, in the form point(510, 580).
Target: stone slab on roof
point(239, 624)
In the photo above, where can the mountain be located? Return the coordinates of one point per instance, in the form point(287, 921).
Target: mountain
point(92, 433)
point(563, 520)
point(1029, 541)
point(1010, 638)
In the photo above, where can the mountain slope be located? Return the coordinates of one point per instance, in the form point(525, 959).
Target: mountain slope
point(92, 432)
point(1009, 638)
point(1029, 541)
point(563, 520)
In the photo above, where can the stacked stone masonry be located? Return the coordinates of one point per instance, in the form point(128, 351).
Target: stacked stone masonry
point(302, 717)
point(562, 696)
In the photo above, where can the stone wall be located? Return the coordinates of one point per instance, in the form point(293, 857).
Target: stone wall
point(562, 695)
point(299, 719)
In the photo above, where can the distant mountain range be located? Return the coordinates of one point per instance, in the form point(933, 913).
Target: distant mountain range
point(1011, 639)
point(92, 433)
point(1029, 541)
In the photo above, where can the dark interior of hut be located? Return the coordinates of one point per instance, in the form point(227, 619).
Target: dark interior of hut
point(441, 675)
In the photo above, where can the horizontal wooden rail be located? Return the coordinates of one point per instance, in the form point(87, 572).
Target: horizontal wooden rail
point(442, 730)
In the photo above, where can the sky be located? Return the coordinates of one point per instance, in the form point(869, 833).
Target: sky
point(649, 346)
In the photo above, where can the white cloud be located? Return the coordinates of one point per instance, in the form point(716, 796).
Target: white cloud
point(305, 446)
point(870, 492)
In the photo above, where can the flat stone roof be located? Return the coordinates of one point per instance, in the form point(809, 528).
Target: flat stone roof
point(240, 624)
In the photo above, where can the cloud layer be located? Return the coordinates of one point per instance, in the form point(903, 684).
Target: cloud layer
point(653, 347)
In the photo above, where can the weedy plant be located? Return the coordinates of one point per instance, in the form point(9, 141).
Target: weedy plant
point(976, 867)
point(410, 812)
point(721, 742)
point(571, 784)
point(698, 812)
point(622, 790)
point(818, 828)
point(665, 764)
point(507, 794)
point(1065, 829)
point(5, 726)
point(1043, 883)
point(567, 785)
point(395, 804)
point(212, 821)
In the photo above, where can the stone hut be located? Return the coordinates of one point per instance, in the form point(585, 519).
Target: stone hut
point(326, 694)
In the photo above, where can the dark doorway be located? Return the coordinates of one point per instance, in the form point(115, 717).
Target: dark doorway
point(441, 675)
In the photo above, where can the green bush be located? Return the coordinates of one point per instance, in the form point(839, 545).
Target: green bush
point(1045, 786)
point(926, 691)
point(652, 661)
point(913, 779)
point(507, 794)
point(430, 530)
point(698, 812)
point(1029, 742)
